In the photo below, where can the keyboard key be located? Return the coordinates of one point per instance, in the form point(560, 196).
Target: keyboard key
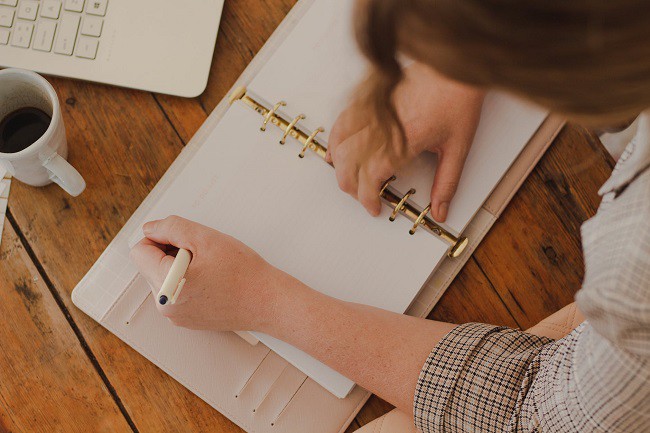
point(67, 34)
point(51, 9)
point(27, 10)
point(4, 36)
point(6, 16)
point(9, 2)
point(74, 5)
point(87, 47)
point(44, 35)
point(92, 26)
point(22, 34)
point(97, 7)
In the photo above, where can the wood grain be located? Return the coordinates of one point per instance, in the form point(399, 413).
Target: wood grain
point(533, 254)
point(47, 383)
point(122, 141)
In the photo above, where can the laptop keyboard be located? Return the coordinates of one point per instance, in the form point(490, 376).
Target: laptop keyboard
point(63, 27)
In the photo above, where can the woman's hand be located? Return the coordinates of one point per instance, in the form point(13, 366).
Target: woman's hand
point(438, 115)
point(228, 286)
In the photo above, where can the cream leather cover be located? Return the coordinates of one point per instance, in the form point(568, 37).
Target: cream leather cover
point(251, 385)
point(559, 324)
point(393, 422)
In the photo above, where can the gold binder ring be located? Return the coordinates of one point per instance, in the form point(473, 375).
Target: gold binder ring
point(385, 185)
point(420, 219)
point(270, 114)
point(400, 205)
point(290, 127)
point(309, 141)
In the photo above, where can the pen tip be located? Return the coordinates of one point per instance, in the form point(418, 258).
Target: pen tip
point(163, 300)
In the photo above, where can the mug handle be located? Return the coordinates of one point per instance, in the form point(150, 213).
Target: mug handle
point(65, 175)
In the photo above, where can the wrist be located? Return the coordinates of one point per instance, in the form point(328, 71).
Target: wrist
point(289, 306)
point(275, 292)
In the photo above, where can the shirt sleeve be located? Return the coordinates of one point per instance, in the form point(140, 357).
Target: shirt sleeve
point(473, 378)
point(487, 378)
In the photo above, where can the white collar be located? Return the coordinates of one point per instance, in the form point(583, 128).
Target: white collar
point(639, 159)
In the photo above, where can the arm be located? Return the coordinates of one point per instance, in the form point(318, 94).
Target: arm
point(229, 287)
point(380, 350)
point(476, 377)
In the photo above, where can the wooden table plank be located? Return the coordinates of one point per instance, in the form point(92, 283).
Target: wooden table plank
point(47, 382)
point(122, 143)
point(533, 253)
point(245, 27)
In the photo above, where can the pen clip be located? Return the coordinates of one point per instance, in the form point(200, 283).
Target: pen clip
point(177, 292)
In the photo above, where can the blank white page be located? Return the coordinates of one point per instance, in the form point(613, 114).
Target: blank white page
point(290, 210)
point(316, 69)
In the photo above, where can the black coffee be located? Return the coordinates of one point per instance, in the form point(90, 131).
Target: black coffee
point(21, 128)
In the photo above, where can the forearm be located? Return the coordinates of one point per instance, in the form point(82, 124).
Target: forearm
point(381, 351)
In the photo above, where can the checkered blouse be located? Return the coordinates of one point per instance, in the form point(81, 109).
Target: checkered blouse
point(597, 379)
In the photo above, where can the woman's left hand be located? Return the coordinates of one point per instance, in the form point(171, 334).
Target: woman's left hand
point(228, 286)
point(438, 115)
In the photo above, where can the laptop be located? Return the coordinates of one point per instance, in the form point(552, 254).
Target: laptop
point(161, 46)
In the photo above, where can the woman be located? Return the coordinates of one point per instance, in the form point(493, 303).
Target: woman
point(586, 59)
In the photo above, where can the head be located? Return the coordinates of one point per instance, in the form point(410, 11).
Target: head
point(586, 59)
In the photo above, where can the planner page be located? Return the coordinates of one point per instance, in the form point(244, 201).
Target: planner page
point(290, 210)
point(316, 70)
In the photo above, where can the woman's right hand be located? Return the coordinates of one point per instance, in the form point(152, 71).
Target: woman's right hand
point(438, 115)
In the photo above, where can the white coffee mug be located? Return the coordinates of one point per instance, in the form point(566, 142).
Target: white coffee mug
point(44, 161)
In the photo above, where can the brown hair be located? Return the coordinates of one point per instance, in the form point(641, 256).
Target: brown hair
point(586, 59)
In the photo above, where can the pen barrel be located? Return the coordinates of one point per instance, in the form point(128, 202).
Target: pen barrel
point(172, 283)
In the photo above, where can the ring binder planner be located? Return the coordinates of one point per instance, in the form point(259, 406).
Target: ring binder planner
point(419, 220)
point(385, 185)
point(309, 141)
point(400, 204)
point(270, 114)
point(291, 127)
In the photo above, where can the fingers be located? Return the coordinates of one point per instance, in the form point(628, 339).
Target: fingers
point(361, 169)
point(176, 231)
point(445, 183)
point(371, 178)
point(347, 176)
point(152, 261)
point(369, 186)
point(345, 126)
point(347, 158)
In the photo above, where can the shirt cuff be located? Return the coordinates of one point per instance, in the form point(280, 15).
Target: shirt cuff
point(473, 377)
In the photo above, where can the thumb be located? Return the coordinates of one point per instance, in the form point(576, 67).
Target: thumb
point(445, 183)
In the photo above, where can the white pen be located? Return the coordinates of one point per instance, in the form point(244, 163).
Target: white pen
point(175, 279)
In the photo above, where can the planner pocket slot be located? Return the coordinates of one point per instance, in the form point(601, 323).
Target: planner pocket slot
point(252, 375)
point(133, 299)
point(253, 391)
point(277, 417)
point(280, 394)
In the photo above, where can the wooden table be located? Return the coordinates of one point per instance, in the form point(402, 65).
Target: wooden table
point(61, 371)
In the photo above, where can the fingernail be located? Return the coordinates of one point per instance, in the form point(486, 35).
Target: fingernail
point(149, 227)
point(443, 209)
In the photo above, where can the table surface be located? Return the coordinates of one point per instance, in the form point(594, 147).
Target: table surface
point(61, 371)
